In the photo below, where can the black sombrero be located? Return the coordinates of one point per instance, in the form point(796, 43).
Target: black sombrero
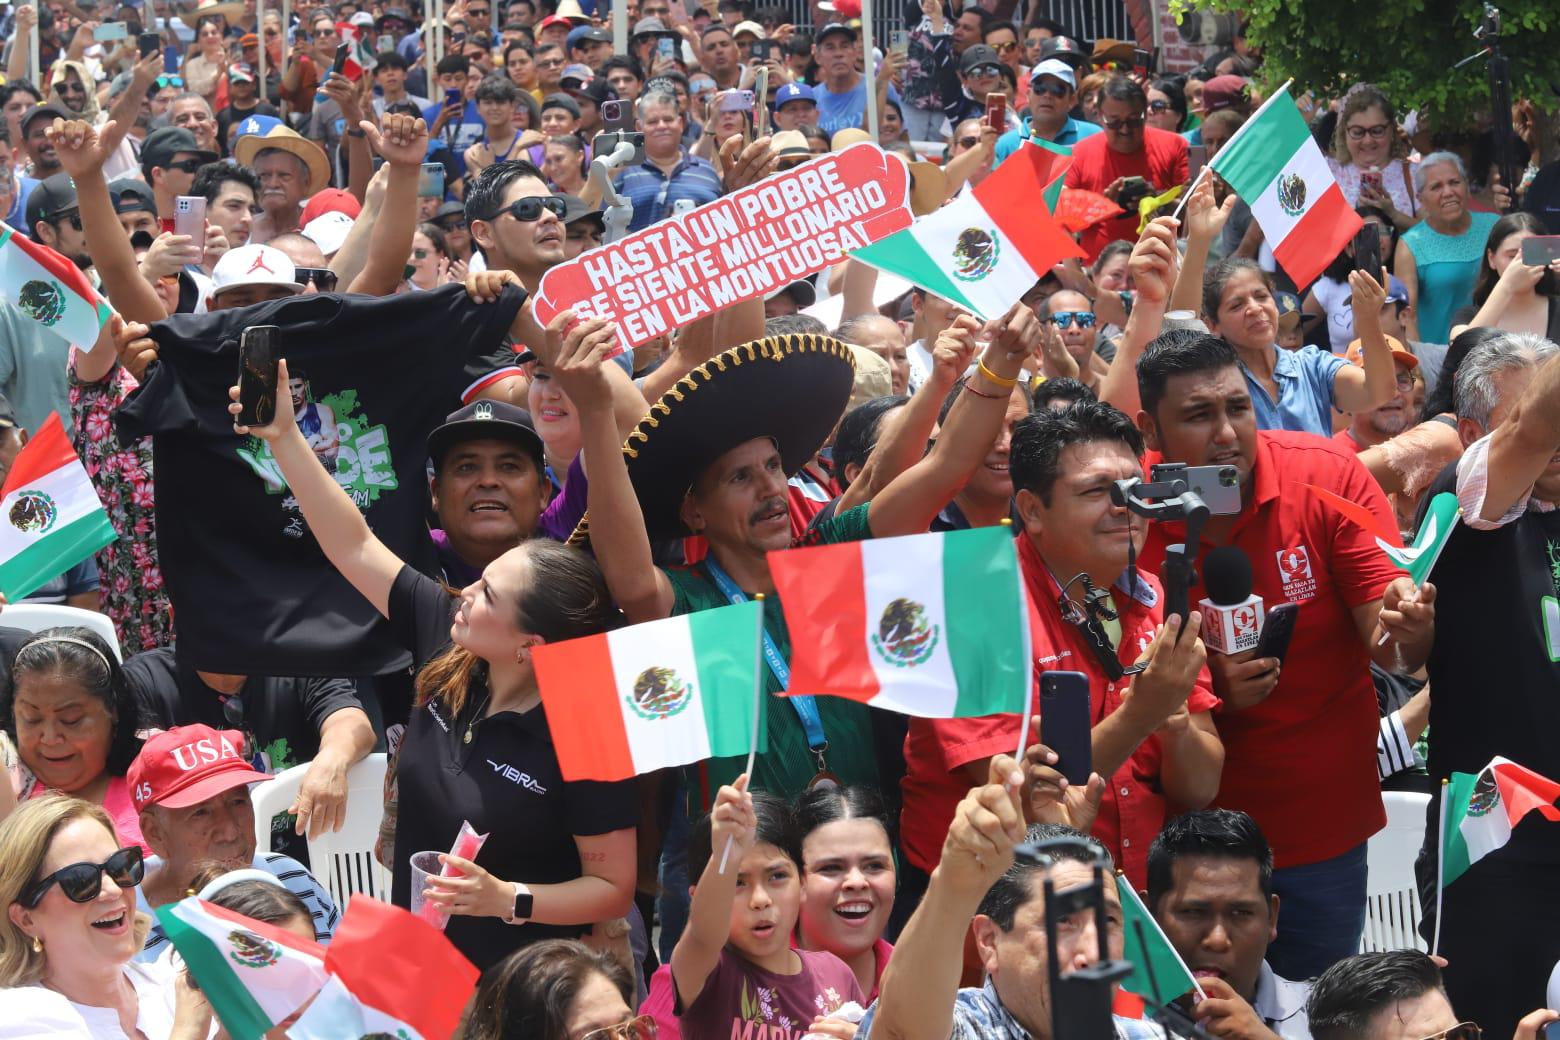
point(791, 389)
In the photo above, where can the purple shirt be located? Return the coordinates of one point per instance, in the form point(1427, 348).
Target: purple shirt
point(739, 994)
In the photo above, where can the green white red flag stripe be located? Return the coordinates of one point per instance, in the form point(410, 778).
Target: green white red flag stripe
point(1274, 164)
point(987, 248)
point(254, 975)
point(651, 696)
point(1148, 948)
point(1418, 559)
point(50, 515)
point(1480, 811)
point(50, 290)
point(934, 625)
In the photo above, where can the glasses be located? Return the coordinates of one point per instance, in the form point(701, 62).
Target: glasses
point(73, 219)
point(1376, 133)
point(1129, 123)
point(642, 1028)
point(1461, 1031)
point(480, 12)
point(1406, 381)
point(185, 165)
point(81, 882)
point(1005, 48)
point(983, 70)
point(1065, 319)
point(549, 63)
point(68, 87)
point(169, 81)
point(324, 280)
point(1056, 90)
point(530, 208)
point(1159, 106)
point(452, 225)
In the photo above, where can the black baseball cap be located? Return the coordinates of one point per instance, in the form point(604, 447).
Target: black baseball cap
point(52, 197)
point(563, 101)
point(1065, 49)
point(163, 144)
point(835, 27)
point(483, 421)
point(49, 111)
point(132, 195)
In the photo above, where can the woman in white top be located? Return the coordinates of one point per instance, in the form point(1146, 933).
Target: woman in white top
point(71, 929)
point(1369, 158)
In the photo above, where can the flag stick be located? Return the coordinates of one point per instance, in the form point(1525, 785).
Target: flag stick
point(758, 708)
point(1196, 181)
point(1440, 871)
point(1282, 91)
point(1023, 665)
point(1145, 915)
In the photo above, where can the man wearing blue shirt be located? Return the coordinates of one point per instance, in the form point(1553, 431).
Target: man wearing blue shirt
point(841, 92)
point(1053, 90)
point(668, 175)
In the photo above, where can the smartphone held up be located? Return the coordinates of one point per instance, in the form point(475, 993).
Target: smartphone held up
point(257, 375)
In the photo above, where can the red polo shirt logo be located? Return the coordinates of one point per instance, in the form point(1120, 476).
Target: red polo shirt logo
point(1294, 564)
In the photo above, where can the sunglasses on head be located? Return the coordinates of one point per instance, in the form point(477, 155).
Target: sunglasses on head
point(1065, 319)
point(530, 208)
point(324, 280)
point(81, 882)
point(642, 1028)
point(185, 165)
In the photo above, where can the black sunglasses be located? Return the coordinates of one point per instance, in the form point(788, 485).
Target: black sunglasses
point(73, 219)
point(450, 225)
point(324, 280)
point(185, 165)
point(530, 208)
point(81, 882)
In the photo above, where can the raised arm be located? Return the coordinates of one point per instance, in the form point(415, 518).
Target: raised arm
point(142, 76)
point(1361, 389)
point(16, 69)
point(1154, 264)
point(1522, 446)
point(403, 141)
point(733, 826)
point(1205, 220)
point(336, 523)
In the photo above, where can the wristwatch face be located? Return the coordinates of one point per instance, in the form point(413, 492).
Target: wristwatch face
point(523, 901)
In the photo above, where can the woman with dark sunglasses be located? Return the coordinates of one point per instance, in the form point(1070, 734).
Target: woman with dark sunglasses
point(71, 929)
point(556, 990)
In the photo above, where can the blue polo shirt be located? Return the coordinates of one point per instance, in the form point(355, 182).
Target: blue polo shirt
point(1305, 391)
point(1073, 131)
point(654, 194)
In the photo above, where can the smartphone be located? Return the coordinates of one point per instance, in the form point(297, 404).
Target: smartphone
point(1540, 251)
point(666, 47)
point(1064, 723)
point(763, 50)
point(342, 50)
point(453, 98)
point(761, 107)
point(736, 101)
point(618, 115)
point(606, 142)
point(1277, 629)
point(430, 181)
point(1372, 179)
point(149, 43)
point(110, 31)
point(899, 42)
point(1218, 486)
point(1142, 61)
point(257, 375)
point(1196, 158)
point(386, 42)
point(1367, 249)
point(996, 111)
point(189, 217)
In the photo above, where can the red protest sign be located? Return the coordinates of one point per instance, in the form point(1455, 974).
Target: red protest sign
point(766, 236)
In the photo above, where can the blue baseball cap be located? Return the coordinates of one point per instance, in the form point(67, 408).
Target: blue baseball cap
point(260, 125)
point(794, 92)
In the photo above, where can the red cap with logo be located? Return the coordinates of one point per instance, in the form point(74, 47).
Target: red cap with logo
point(186, 765)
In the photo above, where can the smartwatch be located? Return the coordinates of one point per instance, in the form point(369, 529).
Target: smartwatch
point(523, 905)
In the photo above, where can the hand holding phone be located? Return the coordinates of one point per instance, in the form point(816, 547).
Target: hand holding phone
point(149, 43)
point(257, 375)
point(189, 217)
point(1065, 725)
point(340, 62)
point(1371, 181)
point(996, 111)
point(1367, 249)
point(1278, 627)
point(899, 42)
point(1541, 251)
point(736, 101)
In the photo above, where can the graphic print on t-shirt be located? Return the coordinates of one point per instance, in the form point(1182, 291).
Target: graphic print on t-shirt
point(352, 450)
point(759, 1015)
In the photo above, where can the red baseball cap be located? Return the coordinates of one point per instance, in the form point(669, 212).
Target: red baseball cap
point(328, 199)
point(188, 764)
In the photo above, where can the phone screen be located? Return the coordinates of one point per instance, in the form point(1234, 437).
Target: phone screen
point(899, 41)
point(996, 111)
point(110, 31)
point(430, 181)
point(148, 43)
point(257, 375)
point(666, 47)
point(1196, 158)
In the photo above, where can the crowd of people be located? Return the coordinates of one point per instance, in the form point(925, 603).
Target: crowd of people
point(449, 481)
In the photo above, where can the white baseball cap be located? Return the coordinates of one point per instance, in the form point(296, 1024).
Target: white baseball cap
point(253, 265)
point(328, 230)
point(1056, 68)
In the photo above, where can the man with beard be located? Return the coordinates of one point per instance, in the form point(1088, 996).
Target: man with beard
point(1368, 429)
point(191, 786)
point(35, 142)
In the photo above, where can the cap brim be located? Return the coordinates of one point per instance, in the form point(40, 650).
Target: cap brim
point(212, 786)
point(295, 286)
point(445, 437)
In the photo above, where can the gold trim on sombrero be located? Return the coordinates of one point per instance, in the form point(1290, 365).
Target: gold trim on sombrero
point(770, 348)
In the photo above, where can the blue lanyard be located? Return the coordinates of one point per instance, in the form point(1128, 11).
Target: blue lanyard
point(806, 707)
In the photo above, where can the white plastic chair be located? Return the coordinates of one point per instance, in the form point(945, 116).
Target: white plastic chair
point(344, 861)
point(1392, 910)
point(35, 617)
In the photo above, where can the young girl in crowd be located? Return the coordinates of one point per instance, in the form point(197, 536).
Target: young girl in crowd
point(734, 963)
point(848, 879)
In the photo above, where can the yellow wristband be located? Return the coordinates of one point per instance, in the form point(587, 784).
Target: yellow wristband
point(980, 366)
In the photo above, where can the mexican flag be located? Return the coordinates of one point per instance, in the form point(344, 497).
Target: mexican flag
point(1274, 164)
point(1155, 963)
point(53, 519)
point(1056, 172)
point(50, 289)
point(934, 625)
point(650, 696)
point(361, 49)
point(988, 247)
point(1417, 559)
point(255, 975)
point(392, 974)
point(1479, 812)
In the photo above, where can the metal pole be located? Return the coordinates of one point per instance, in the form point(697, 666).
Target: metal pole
point(620, 26)
point(286, 23)
point(869, 70)
point(260, 33)
point(35, 61)
point(428, 55)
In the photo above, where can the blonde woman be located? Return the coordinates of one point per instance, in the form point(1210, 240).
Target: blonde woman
point(71, 929)
point(1370, 158)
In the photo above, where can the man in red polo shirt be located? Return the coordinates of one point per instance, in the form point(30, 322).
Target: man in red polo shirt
point(1153, 738)
point(1127, 148)
point(1299, 743)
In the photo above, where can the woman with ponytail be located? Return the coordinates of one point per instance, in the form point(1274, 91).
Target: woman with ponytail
point(559, 855)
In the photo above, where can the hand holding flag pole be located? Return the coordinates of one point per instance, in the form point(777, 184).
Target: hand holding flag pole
point(758, 714)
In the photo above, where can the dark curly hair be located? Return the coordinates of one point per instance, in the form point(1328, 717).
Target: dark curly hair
point(528, 995)
point(58, 651)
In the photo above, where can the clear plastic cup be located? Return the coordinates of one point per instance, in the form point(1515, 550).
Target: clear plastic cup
point(426, 865)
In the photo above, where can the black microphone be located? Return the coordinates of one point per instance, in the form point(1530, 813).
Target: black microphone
point(1232, 616)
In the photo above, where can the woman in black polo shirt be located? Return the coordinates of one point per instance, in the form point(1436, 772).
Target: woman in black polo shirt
point(477, 747)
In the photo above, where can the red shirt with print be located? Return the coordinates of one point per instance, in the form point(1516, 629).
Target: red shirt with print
point(1303, 762)
point(1162, 162)
point(937, 750)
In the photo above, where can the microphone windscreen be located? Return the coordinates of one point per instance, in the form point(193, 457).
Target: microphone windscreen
point(1227, 575)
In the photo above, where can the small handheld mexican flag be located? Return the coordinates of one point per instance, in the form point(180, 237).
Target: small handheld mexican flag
point(1274, 164)
point(651, 696)
point(53, 518)
point(1155, 963)
point(934, 625)
point(360, 50)
point(988, 247)
point(254, 975)
point(1417, 559)
point(50, 289)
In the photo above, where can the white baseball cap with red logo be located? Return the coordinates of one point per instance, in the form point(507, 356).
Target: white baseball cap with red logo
point(186, 765)
point(253, 265)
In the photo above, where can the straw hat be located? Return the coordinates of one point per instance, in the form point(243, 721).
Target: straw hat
point(228, 9)
point(288, 140)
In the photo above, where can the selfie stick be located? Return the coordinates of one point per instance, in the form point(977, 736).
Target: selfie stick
point(758, 702)
point(620, 209)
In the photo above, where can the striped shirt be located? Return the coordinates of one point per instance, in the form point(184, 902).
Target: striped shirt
point(288, 871)
point(655, 195)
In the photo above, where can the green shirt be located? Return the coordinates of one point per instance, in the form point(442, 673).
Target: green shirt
point(789, 764)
